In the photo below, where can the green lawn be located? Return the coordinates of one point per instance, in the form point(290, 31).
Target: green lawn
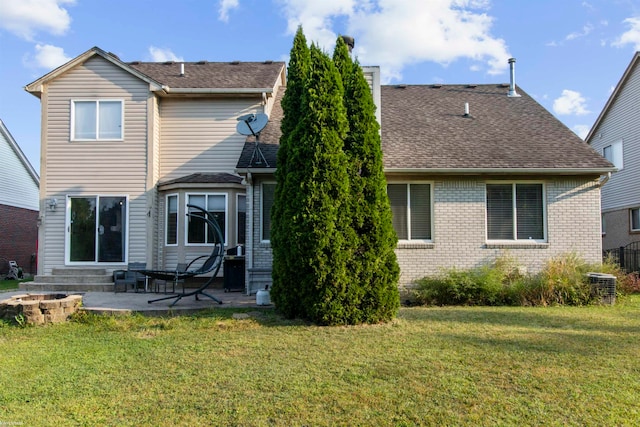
point(11, 285)
point(432, 366)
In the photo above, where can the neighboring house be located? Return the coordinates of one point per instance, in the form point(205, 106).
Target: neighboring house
point(127, 145)
point(616, 134)
point(18, 206)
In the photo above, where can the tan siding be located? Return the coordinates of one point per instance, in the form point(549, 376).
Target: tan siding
point(96, 167)
point(198, 135)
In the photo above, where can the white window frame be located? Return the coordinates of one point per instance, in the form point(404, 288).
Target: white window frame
point(226, 216)
point(166, 219)
point(408, 184)
point(514, 210)
point(262, 184)
point(238, 196)
point(631, 211)
point(615, 154)
point(97, 124)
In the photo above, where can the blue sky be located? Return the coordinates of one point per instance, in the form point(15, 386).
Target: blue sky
point(570, 53)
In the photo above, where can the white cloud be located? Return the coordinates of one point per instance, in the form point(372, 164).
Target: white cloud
point(570, 103)
point(632, 36)
point(225, 7)
point(397, 33)
point(581, 130)
point(161, 55)
point(25, 18)
point(577, 34)
point(46, 56)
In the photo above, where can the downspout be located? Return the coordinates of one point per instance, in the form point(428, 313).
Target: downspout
point(604, 180)
point(249, 245)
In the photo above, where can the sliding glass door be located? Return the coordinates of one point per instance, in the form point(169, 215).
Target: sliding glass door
point(97, 229)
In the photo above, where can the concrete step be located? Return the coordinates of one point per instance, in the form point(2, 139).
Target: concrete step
point(66, 287)
point(74, 279)
point(77, 271)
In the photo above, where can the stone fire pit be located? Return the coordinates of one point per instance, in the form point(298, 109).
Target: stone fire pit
point(38, 309)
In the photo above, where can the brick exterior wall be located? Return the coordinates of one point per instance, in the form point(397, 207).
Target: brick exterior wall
point(18, 238)
point(459, 233)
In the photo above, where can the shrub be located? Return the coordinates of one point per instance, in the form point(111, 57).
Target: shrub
point(562, 281)
point(494, 284)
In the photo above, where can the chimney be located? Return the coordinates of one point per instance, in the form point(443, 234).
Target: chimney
point(182, 70)
point(350, 42)
point(512, 84)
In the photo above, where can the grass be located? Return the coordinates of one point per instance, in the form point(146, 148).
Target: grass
point(11, 285)
point(431, 366)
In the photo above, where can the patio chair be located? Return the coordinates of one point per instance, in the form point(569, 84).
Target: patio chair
point(130, 277)
point(211, 265)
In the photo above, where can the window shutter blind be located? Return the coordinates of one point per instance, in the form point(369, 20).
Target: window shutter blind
point(500, 211)
point(420, 211)
point(529, 211)
point(398, 199)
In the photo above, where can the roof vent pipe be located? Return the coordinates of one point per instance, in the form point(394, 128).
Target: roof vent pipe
point(512, 83)
point(182, 70)
point(350, 42)
point(466, 109)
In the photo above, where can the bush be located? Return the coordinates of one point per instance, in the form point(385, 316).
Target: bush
point(562, 281)
point(495, 284)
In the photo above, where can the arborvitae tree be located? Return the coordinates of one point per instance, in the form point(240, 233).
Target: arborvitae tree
point(285, 291)
point(319, 228)
point(374, 266)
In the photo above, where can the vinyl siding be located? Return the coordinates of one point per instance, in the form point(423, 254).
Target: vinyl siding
point(199, 135)
point(95, 167)
point(17, 186)
point(622, 122)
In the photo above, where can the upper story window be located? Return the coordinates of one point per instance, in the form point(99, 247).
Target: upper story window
point(267, 198)
point(97, 120)
point(411, 209)
point(635, 219)
point(613, 153)
point(198, 231)
point(515, 212)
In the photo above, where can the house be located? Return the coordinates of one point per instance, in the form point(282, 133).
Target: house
point(18, 206)
point(472, 172)
point(616, 135)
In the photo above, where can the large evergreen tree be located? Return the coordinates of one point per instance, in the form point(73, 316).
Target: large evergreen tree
point(374, 266)
point(285, 291)
point(332, 237)
point(319, 227)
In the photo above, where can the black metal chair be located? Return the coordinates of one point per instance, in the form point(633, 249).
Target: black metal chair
point(211, 265)
point(130, 277)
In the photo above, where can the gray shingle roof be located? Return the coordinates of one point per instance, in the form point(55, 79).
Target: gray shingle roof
point(424, 128)
point(219, 75)
point(206, 178)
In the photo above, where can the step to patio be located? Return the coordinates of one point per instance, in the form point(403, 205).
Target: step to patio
point(72, 280)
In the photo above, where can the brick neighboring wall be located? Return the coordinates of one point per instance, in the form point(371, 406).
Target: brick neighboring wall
point(18, 237)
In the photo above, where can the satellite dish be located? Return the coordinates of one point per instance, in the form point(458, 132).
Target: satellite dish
point(251, 124)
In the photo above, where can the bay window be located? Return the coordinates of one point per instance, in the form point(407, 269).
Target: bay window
point(198, 231)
